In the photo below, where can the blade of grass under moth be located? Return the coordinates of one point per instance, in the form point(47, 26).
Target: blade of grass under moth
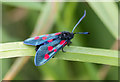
point(74, 53)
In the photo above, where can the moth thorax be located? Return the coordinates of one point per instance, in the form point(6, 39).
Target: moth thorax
point(66, 35)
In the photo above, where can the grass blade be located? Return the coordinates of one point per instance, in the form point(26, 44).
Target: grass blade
point(101, 56)
point(108, 13)
point(28, 5)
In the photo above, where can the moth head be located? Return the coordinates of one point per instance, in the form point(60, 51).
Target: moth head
point(66, 35)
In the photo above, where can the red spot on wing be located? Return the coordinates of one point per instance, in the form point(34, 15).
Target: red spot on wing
point(50, 40)
point(46, 34)
point(46, 56)
point(37, 37)
point(62, 42)
point(55, 50)
point(50, 48)
point(58, 33)
point(44, 38)
point(65, 44)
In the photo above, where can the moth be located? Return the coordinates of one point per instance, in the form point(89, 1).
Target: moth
point(48, 45)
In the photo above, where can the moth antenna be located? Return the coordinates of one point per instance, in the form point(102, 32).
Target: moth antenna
point(81, 33)
point(79, 21)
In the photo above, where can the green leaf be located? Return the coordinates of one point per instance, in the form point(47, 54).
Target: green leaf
point(28, 5)
point(108, 13)
point(73, 53)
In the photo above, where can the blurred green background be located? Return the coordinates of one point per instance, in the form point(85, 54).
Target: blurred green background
point(24, 19)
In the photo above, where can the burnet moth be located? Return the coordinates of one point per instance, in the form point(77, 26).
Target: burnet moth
point(48, 45)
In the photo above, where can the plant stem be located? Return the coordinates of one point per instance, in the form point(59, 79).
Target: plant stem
point(15, 68)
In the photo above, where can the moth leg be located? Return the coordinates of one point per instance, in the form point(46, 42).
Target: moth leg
point(69, 43)
point(37, 47)
point(63, 50)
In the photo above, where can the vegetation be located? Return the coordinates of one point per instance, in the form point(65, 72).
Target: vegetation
point(89, 57)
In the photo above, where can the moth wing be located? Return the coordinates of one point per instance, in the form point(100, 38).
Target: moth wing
point(41, 39)
point(46, 52)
